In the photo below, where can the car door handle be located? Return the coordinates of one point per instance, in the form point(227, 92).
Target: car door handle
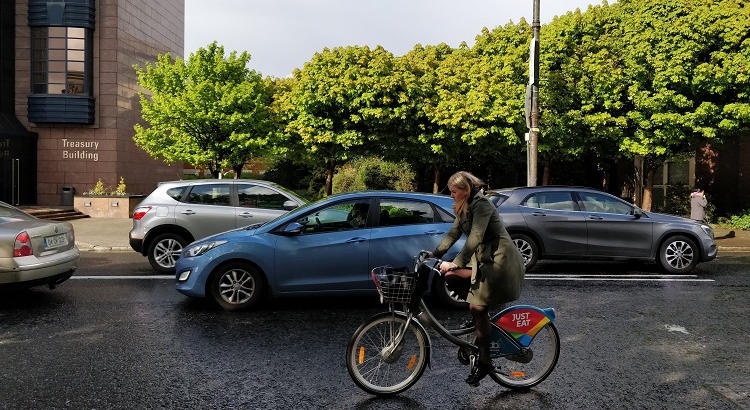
point(246, 215)
point(356, 240)
point(434, 232)
point(598, 218)
point(539, 214)
point(188, 212)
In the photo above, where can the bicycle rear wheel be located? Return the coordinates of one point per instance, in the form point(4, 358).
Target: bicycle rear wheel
point(534, 365)
point(378, 366)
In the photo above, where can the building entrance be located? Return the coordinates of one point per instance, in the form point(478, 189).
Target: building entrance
point(18, 170)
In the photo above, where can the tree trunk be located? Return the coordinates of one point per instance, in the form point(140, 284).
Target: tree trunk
point(436, 179)
point(545, 174)
point(648, 190)
point(238, 171)
point(329, 177)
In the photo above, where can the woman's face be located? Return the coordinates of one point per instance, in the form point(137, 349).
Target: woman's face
point(458, 194)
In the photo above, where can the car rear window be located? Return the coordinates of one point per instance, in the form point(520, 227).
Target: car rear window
point(554, 200)
point(497, 199)
point(213, 194)
point(12, 215)
point(176, 193)
point(444, 215)
point(405, 212)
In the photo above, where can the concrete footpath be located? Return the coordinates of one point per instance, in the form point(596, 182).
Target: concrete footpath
point(111, 234)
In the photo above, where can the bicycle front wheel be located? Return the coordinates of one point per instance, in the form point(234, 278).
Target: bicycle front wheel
point(529, 368)
point(380, 366)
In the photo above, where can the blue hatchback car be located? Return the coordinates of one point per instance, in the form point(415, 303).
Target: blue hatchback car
point(327, 247)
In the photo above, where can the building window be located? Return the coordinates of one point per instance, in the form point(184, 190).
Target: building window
point(61, 59)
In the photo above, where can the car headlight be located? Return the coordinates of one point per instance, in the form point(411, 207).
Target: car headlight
point(707, 229)
point(202, 248)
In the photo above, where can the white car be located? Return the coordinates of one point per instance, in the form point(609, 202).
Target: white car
point(34, 251)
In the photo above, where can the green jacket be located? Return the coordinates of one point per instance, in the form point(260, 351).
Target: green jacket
point(497, 265)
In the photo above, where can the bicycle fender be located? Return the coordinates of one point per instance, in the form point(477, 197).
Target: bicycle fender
point(417, 322)
point(523, 322)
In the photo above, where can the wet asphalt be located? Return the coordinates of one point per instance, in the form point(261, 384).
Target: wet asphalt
point(137, 343)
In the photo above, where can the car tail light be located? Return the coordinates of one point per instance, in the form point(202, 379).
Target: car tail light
point(22, 245)
point(71, 236)
point(140, 212)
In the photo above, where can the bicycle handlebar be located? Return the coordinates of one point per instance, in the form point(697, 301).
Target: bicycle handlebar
point(424, 255)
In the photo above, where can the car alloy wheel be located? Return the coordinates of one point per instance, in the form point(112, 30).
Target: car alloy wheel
point(236, 286)
point(166, 253)
point(679, 255)
point(528, 249)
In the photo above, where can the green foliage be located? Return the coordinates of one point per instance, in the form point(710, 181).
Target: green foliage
point(338, 103)
point(210, 110)
point(373, 173)
point(740, 221)
point(686, 71)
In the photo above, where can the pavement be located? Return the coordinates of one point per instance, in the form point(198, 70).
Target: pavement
point(111, 234)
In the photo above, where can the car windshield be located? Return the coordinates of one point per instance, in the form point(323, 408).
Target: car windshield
point(299, 208)
point(10, 214)
point(291, 193)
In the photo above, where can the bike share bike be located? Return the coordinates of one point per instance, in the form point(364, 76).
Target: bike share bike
point(389, 352)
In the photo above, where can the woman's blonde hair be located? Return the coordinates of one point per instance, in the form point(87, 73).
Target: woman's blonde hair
point(464, 181)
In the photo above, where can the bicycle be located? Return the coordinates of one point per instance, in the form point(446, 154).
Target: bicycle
point(388, 353)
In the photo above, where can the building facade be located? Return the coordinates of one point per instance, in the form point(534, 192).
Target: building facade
point(69, 94)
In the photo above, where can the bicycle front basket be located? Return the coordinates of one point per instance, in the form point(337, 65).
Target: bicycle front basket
point(394, 285)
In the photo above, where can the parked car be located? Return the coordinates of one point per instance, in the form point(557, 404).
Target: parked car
point(580, 223)
point(179, 212)
point(34, 251)
point(328, 247)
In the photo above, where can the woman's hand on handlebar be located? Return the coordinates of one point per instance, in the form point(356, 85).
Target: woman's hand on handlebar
point(446, 267)
point(426, 254)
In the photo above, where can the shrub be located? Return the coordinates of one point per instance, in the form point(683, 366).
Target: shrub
point(741, 221)
point(97, 190)
point(121, 188)
point(373, 173)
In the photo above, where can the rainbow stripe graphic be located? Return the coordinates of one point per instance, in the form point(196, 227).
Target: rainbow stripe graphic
point(523, 323)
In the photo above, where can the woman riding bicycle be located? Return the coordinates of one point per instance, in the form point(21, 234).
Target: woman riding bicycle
point(489, 258)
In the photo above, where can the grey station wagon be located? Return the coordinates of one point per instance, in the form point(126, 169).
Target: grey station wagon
point(582, 223)
point(179, 212)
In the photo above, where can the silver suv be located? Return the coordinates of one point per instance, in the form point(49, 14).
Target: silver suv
point(179, 212)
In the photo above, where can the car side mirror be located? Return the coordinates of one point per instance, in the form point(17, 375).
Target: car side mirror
point(289, 205)
point(291, 229)
point(637, 213)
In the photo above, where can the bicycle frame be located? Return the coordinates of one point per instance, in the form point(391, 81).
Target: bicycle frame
point(512, 329)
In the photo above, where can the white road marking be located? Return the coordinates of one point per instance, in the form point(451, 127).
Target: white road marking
point(676, 328)
point(591, 275)
point(604, 278)
point(160, 277)
point(625, 278)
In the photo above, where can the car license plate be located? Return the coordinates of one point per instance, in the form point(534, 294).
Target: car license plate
point(55, 241)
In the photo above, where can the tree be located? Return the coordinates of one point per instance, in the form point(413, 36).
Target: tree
point(210, 110)
point(339, 103)
point(687, 70)
point(583, 90)
point(421, 139)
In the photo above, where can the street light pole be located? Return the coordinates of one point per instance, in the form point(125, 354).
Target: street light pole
point(534, 90)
